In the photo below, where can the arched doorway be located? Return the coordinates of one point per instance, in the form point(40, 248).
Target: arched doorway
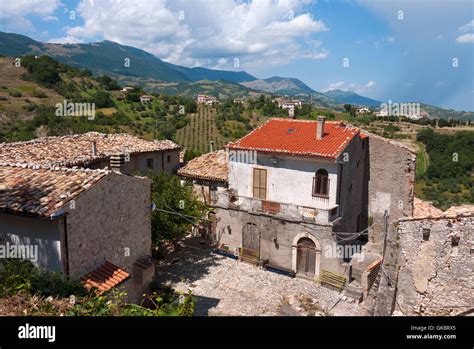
point(306, 257)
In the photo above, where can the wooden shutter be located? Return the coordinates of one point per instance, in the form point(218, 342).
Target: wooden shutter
point(260, 183)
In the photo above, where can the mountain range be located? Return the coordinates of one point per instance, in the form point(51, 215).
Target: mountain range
point(135, 66)
point(130, 65)
point(115, 59)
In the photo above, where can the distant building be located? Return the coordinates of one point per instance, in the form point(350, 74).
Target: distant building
point(145, 99)
point(239, 101)
point(363, 110)
point(205, 99)
point(291, 112)
point(285, 103)
point(126, 89)
point(381, 113)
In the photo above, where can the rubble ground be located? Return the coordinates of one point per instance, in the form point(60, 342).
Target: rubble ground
point(226, 287)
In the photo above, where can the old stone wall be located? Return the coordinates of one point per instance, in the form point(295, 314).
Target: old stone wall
point(278, 239)
point(391, 183)
point(353, 174)
point(436, 259)
point(167, 160)
point(111, 220)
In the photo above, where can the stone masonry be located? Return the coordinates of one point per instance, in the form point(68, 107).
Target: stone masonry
point(436, 260)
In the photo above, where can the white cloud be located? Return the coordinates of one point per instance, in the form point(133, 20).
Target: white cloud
point(389, 39)
point(467, 27)
point(336, 86)
point(65, 40)
point(355, 87)
point(212, 33)
point(13, 13)
point(465, 39)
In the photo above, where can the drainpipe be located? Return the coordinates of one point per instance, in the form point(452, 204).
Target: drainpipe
point(66, 248)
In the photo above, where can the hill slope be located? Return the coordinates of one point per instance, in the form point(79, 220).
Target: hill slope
point(111, 58)
point(350, 97)
point(276, 84)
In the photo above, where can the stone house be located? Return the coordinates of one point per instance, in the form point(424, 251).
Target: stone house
point(93, 150)
point(87, 224)
point(208, 174)
point(297, 190)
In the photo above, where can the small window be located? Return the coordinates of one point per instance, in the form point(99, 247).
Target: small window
point(168, 158)
point(149, 164)
point(321, 184)
point(260, 183)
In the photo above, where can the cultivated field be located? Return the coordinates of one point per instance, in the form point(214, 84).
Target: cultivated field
point(201, 131)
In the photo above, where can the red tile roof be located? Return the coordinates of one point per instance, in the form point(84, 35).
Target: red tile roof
point(104, 277)
point(298, 137)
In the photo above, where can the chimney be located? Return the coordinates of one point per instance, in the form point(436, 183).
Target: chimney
point(212, 146)
point(320, 127)
point(94, 148)
point(117, 161)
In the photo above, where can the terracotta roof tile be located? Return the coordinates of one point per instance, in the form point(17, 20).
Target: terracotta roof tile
point(211, 166)
point(297, 137)
point(41, 191)
point(104, 277)
point(424, 209)
point(76, 150)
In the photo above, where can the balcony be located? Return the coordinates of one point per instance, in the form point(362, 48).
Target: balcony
point(229, 199)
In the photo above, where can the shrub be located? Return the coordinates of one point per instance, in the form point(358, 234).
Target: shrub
point(39, 93)
point(15, 93)
point(21, 275)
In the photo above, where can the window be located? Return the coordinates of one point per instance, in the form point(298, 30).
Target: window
point(168, 158)
point(260, 183)
point(149, 164)
point(321, 184)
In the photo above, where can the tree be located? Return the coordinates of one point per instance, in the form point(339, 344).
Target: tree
point(43, 70)
point(102, 99)
point(350, 109)
point(177, 209)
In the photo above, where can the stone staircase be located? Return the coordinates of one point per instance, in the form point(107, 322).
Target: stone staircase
point(355, 291)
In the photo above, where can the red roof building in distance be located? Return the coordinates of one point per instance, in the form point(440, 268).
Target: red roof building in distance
point(298, 137)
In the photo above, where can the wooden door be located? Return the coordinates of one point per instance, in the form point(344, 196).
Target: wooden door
point(251, 237)
point(306, 257)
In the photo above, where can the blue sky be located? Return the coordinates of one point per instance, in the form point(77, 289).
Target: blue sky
point(404, 50)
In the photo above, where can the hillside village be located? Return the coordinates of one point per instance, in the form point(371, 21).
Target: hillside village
point(292, 209)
